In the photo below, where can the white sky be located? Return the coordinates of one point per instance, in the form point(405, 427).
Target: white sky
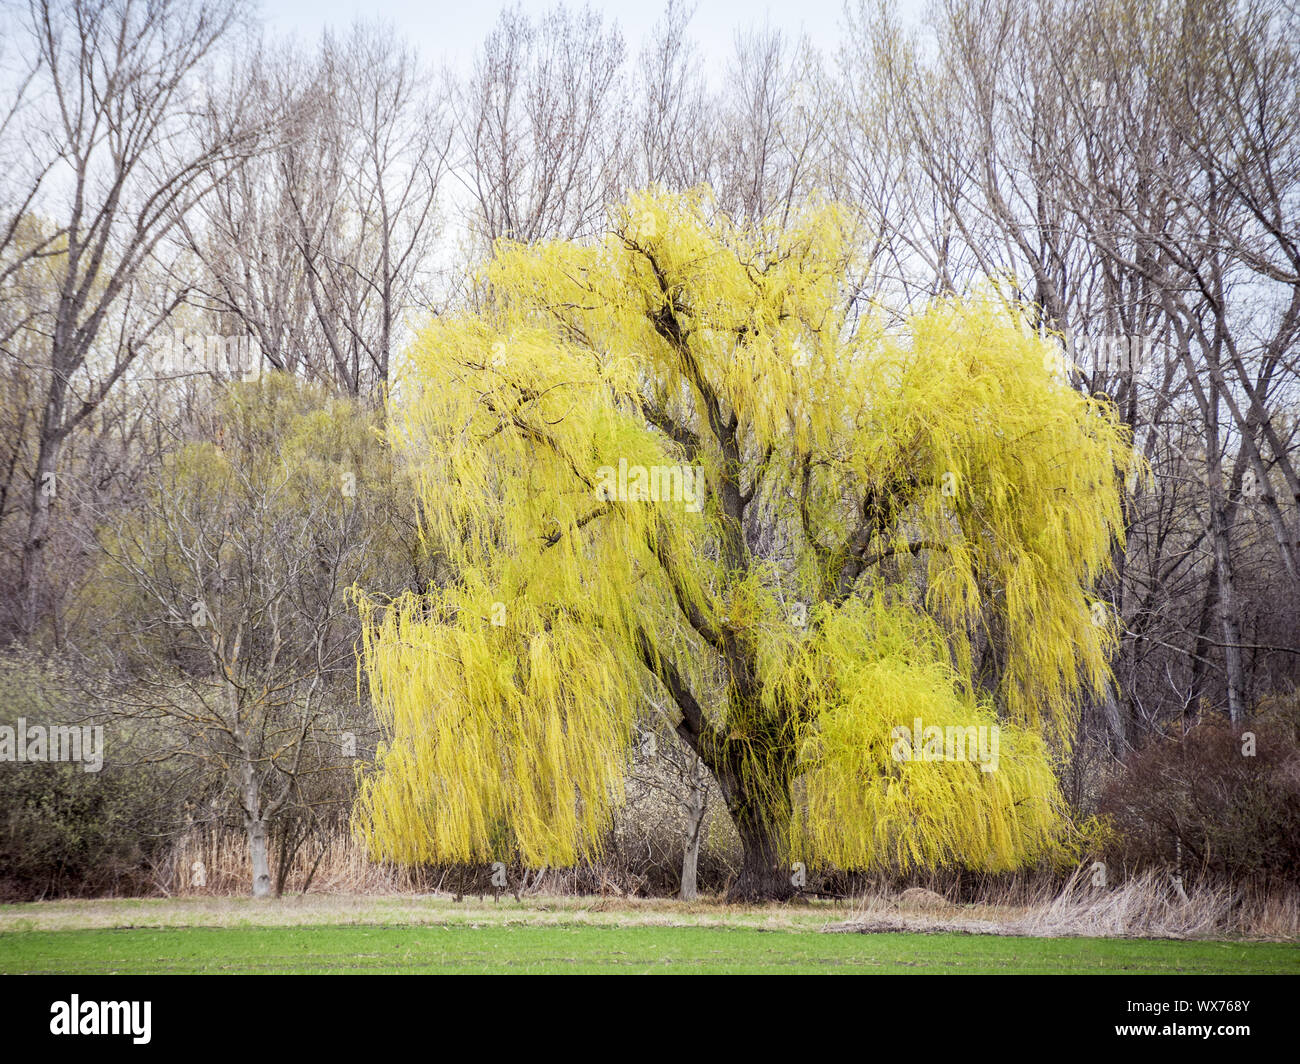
point(450, 30)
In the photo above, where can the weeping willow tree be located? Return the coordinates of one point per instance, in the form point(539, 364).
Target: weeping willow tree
point(680, 465)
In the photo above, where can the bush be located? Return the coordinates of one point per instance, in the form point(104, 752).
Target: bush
point(64, 830)
point(1228, 797)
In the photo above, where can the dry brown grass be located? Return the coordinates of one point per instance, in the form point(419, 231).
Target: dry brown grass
point(338, 866)
point(1143, 906)
point(346, 887)
point(342, 866)
point(408, 909)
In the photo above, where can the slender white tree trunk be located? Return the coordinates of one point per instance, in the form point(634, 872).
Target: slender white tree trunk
point(257, 848)
point(255, 827)
point(697, 806)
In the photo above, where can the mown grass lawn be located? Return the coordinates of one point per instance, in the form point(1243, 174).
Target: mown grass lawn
point(608, 949)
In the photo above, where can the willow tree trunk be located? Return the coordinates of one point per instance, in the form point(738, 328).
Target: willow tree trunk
point(759, 799)
point(764, 874)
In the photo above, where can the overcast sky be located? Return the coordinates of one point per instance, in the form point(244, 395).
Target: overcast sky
point(450, 30)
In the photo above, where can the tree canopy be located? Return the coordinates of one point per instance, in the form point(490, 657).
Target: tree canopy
point(894, 523)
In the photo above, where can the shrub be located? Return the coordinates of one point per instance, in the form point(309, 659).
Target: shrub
point(1227, 798)
point(64, 830)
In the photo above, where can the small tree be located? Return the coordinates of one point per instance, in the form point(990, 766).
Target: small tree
point(682, 458)
point(232, 576)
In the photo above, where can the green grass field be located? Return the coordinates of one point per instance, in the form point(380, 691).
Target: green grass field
point(386, 935)
point(524, 948)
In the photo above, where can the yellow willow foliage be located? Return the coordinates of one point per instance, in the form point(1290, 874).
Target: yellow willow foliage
point(869, 802)
point(580, 449)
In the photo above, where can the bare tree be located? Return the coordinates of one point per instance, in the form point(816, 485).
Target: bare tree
point(232, 571)
point(772, 131)
point(322, 245)
point(676, 142)
point(116, 156)
point(542, 126)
